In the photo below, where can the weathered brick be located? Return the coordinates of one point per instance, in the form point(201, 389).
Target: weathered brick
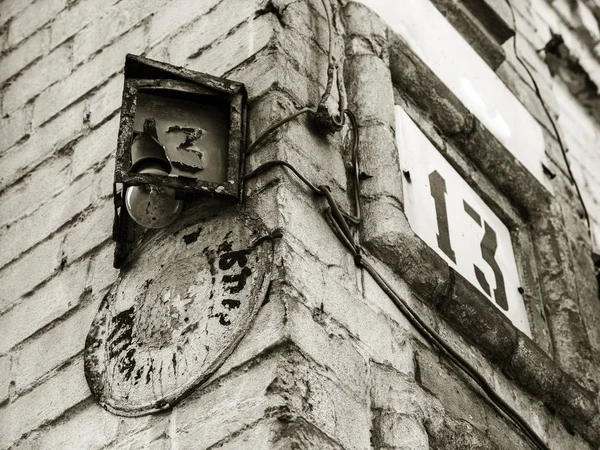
point(528, 408)
point(314, 233)
point(531, 58)
point(260, 436)
point(23, 55)
point(85, 77)
point(314, 396)
point(104, 180)
point(152, 438)
point(398, 432)
point(15, 127)
point(450, 433)
point(90, 231)
point(177, 13)
point(46, 402)
point(19, 278)
point(199, 34)
point(284, 380)
point(243, 43)
point(558, 438)
point(542, 25)
point(215, 412)
point(11, 8)
point(527, 30)
point(49, 302)
point(580, 146)
point(95, 147)
point(105, 100)
point(269, 69)
point(321, 154)
point(595, 226)
point(28, 367)
point(45, 72)
point(3, 38)
point(31, 229)
point(76, 17)
point(394, 391)
point(102, 273)
point(33, 18)
point(113, 24)
point(322, 287)
point(92, 429)
point(457, 397)
point(34, 190)
point(527, 96)
point(134, 430)
point(574, 120)
point(5, 378)
point(43, 141)
point(308, 20)
point(381, 303)
point(275, 434)
point(326, 342)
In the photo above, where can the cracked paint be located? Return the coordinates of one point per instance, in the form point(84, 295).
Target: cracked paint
point(165, 328)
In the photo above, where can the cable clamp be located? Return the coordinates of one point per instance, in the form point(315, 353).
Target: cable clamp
point(326, 121)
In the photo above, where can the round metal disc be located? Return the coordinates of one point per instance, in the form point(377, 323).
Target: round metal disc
point(177, 312)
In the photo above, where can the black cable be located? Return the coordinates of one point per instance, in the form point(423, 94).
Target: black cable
point(278, 162)
point(273, 127)
point(339, 221)
point(434, 338)
point(316, 190)
point(554, 127)
point(342, 231)
point(338, 216)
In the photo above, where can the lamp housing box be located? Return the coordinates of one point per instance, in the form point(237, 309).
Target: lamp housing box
point(206, 102)
point(200, 122)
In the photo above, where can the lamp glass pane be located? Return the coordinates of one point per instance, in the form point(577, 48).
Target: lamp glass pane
point(193, 130)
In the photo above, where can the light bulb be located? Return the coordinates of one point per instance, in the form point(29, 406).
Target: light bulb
point(151, 207)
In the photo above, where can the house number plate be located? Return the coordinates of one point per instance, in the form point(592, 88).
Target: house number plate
point(450, 217)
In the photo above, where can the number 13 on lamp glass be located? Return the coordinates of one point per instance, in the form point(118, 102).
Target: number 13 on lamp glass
point(450, 217)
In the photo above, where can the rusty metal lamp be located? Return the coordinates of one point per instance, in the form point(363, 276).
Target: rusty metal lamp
point(181, 140)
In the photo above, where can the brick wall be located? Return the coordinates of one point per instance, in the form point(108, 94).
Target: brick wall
point(579, 129)
point(61, 74)
point(329, 363)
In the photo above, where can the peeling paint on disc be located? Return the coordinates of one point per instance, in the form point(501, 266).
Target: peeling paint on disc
point(178, 312)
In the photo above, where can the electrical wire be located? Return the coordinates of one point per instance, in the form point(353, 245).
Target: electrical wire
point(434, 338)
point(275, 126)
point(330, 60)
point(340, 222)
point(277, 162)
point(321, 108)
point(552, 122)
point(337, 219)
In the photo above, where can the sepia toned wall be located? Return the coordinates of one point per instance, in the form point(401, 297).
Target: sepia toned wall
point(330, 362)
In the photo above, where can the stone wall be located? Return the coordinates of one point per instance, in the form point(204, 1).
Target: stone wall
point(330, 362)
